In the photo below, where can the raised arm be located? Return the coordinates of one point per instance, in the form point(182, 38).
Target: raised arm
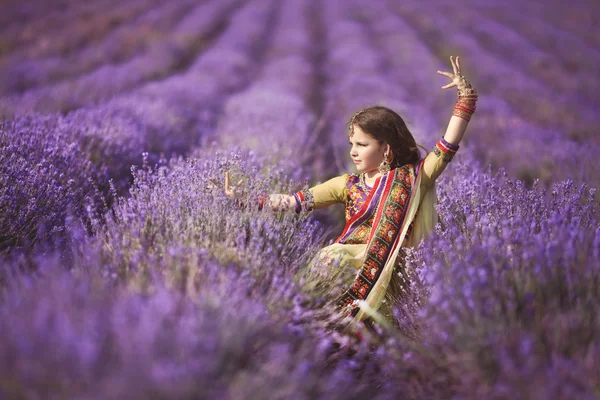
point(446, 148)
point(464, 107)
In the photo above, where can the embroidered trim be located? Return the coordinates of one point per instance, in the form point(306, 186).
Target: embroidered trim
point(361, 209)
point(440, 150)
point(388, 222)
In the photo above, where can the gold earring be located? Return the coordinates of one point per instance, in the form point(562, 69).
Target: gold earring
point(384, 167)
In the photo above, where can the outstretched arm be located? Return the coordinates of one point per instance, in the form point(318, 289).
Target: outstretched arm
point(319, 196)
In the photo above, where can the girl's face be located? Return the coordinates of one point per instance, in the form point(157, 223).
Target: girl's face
point(366, 151)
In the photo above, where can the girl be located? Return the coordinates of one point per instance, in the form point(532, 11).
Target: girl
point(389, 203)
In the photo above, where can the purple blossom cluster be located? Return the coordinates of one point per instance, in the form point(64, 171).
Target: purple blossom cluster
point(44, 173)
point(162, 286)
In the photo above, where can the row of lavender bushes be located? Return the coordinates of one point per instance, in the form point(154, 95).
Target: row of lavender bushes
point(70, 26)
point(120, 44)
point(179, 293)
point(161, 58)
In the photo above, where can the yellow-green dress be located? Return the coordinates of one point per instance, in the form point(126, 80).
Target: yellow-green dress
point(398, 211)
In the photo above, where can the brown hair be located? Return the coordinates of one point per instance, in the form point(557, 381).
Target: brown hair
point(387, 126)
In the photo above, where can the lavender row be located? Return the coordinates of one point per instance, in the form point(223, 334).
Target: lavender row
point(283, 84)
point(573, 70)
point(161, 59)
point(95, 340)
point(178, 112)
point(579, 18)
point(23, 13)
point(121, 44)
point(422, 104)
point(53, 168)
point(80, 23)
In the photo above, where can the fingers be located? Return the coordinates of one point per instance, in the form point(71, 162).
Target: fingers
point(449, 75)
point(229, 190)
point(458, 64)
point(453, 65)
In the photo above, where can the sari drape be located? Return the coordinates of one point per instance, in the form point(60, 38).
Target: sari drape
point(395, 202)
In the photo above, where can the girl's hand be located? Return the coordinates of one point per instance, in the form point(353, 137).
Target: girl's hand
point(230, 191)
point(458, 79)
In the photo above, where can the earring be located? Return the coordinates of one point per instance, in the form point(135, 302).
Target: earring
point(384, 167)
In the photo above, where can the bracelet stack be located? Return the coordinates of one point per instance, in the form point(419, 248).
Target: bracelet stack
point(261, 201)
point(304, 198)
point(465, 105)
point(445, 148)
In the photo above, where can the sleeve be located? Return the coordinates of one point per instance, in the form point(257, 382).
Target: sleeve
point(435, 163)
point(322, 195)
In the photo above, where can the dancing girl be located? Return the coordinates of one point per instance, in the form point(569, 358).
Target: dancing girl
point(389, 203)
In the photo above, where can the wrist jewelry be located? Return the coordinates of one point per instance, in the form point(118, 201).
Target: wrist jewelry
point(443, 147)
point(465, 105)
point(304, 201)
point(261, 201)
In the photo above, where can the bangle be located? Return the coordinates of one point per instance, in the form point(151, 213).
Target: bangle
point(262, 198)
point(441, 148)
point(465, 105)
point(467, 92)
point(305, 200)
point(449, 146)
point(298, 203)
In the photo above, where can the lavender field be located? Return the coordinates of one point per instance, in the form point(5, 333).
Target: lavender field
point(124, 273)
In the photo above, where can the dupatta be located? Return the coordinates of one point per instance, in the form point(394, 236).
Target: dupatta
point(396, 201)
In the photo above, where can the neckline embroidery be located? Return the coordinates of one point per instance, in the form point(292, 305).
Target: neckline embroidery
point(363, 184)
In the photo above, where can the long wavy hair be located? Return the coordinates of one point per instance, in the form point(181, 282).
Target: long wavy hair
point(387, 126)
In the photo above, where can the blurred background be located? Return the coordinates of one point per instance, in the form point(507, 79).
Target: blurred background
point(124, 274)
